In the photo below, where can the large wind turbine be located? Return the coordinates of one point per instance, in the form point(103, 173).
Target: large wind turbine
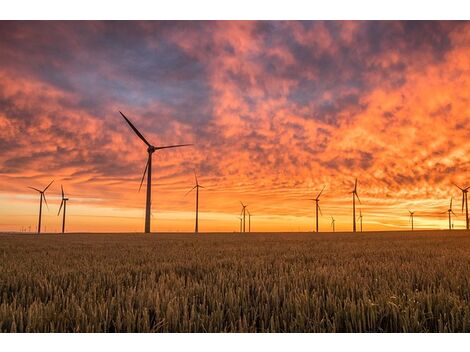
point(333, 223)
point(317, 207)
point(197, 186)
point(354, 196)
point(244, 214)
point(148, 169)
point(64, 203)
point(411, 219)
point(41, 197)
point(464, 201)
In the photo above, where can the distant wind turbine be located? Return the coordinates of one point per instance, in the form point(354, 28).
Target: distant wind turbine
point(249, 221)
point(464, 202)
point(197, 186)
point(41, 198)
point(333, 223)
point(360, 218)
point(354, 196)
point(450, 212)
point(244, 214)
point(317, 207)
point(411, 219)
point(148, 169)
point(63, 203)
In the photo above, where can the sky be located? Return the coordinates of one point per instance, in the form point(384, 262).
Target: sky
point(275, 110)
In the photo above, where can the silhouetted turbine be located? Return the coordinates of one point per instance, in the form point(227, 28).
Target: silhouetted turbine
point(41, 197)
point(464, 201)
point(317, 207)
point(355, 195)
point(244, 214)
point(449, 213)
point(197, 186)
point(249, 221)
point(148, 169)
point(333, 223)
point(360, 218)
point(64, 203)
point(411, 219)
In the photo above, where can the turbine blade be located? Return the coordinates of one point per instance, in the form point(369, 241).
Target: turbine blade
point(458, 186)
point(357, 195)
point(195, 176)
point(135, 130)
point(35, 189)
point(45, 200)
point(355, 185)
point(319, 194)
point(319, 209)
point(60, 207)
point(143, 176)
point(62, 188)
point(173, 146)
point(45, 189)
point(190, 191)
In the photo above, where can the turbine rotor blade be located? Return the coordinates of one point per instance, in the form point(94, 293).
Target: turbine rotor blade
point(319, 194)
point(143, 176)
point(135, 130)
point(358, 197)
point(173, 146)
point(35, 189)
point(458, 186)
point(45, 200)
point(45, 189)
point(320, 211)
point(190, 191)
point(195, 176)
point(61, 203)
point(62, 188)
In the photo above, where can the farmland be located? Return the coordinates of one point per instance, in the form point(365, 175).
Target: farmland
point(342, 282)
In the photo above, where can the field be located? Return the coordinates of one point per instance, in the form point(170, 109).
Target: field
point(374, 282)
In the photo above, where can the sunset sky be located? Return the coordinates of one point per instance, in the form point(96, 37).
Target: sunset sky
point(276, 110)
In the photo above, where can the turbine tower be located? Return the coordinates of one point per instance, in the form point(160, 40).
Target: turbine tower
point(354, 196)
point(197, 186)
point(464, 202)
point(41, 197)
point(411, 219)
point(64, 203)
point(148, 169)
point(240, 223)
point(317, 207)
point(244, 214)
point(333, 223)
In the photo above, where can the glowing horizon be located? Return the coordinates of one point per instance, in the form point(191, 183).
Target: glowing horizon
point(275, 110)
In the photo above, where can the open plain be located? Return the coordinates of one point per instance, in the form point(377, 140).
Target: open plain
point(328, 282)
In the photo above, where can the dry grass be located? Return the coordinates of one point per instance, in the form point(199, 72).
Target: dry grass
point(272, 283)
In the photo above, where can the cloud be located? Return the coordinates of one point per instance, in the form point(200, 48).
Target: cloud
point(275, 110)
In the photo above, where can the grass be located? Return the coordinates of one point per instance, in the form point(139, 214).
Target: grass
point(389, 282)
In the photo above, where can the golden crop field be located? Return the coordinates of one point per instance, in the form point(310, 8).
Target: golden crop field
point(376, 282)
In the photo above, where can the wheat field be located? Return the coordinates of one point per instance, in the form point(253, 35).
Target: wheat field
point(370, 282)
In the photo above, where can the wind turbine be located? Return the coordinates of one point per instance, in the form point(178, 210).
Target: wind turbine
point(249, 221)
point(64, 203)
point(244, 214)
point(450, 212)
point(360, 218)
point(333, 223)
point(464, 201)
point(317, 207)
point(148, 169)
point(354, 196)
point(411, 218)
point(41, 197)
point(197, 186)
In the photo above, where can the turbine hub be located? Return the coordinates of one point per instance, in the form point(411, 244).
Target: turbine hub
point(151, 149)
